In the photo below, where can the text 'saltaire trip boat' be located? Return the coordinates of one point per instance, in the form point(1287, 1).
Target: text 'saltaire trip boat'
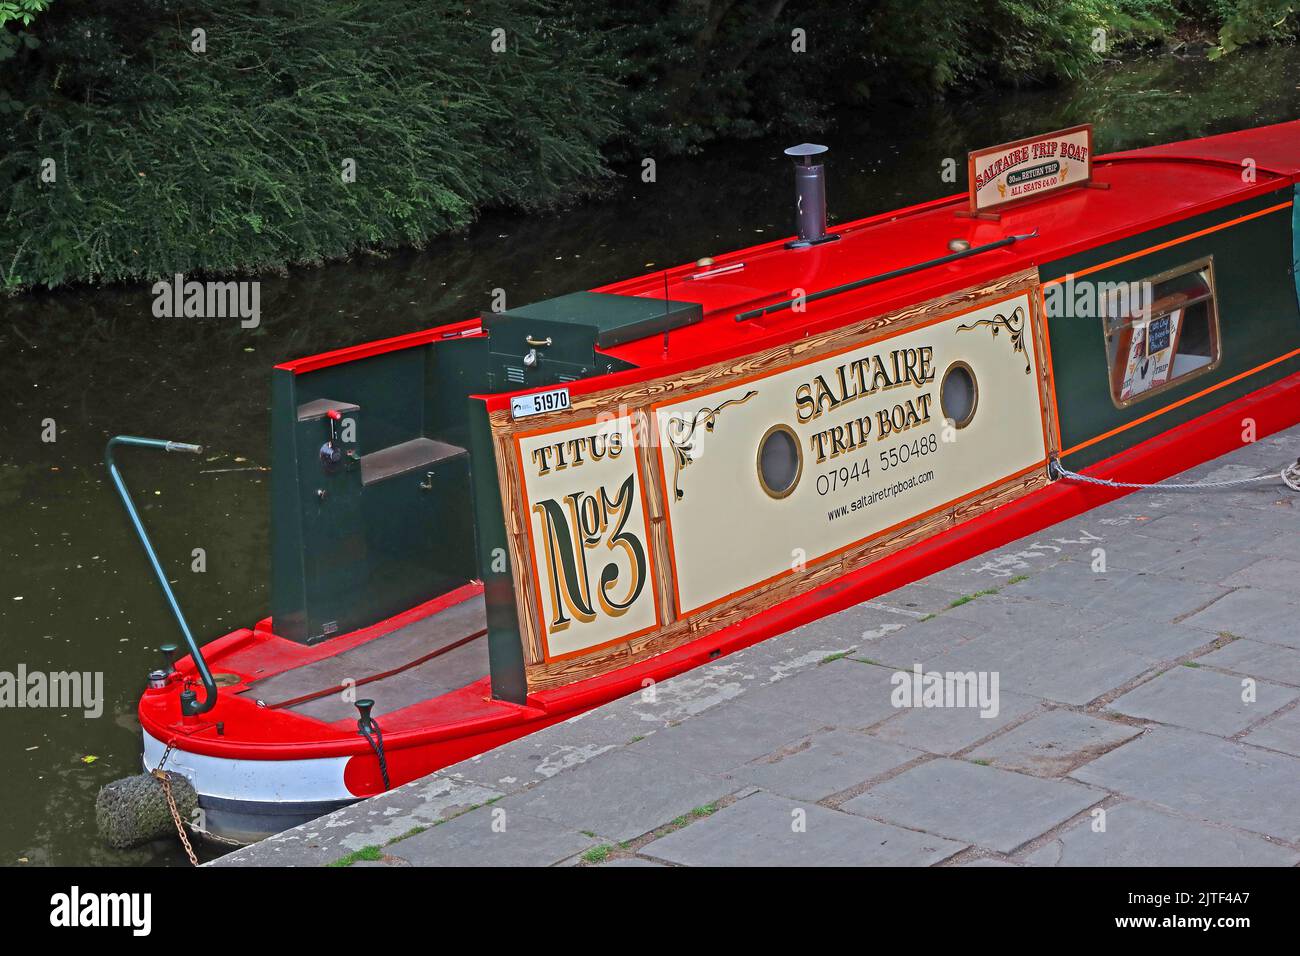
point(494, 525)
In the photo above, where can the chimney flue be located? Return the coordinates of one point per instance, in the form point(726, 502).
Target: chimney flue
point(810, 195)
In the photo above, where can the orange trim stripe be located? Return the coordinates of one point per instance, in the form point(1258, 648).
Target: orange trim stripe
point(1172, 242)
point(1128, 258)
point(1051, 369)
point(1178, 404)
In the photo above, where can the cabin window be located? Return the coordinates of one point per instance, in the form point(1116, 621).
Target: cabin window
point(780, 461)
point(958, 394)
point(1160, 331)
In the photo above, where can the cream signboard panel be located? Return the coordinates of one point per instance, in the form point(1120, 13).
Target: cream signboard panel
point(1029, 167)
point(588, 535)
point(773, 473)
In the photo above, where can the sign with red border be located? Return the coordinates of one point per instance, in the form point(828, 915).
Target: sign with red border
point(1029, 168)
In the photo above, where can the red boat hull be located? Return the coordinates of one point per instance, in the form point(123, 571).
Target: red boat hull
point(468, 722)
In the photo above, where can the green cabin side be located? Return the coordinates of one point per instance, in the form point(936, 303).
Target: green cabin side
point(1258, 309)
point(409, 506)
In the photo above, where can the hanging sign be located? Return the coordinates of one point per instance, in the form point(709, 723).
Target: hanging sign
point(1029, 168)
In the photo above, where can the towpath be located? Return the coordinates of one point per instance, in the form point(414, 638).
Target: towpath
point(1147, 713)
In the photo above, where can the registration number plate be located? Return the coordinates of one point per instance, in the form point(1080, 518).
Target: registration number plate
point(537, 403)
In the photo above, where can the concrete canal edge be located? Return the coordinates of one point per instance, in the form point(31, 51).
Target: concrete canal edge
point(1147, 667)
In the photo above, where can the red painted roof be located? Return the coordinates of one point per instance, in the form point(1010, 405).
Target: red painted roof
point(1275, 148)
point(1148, 188)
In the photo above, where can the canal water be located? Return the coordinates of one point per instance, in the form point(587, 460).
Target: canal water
point(75, 590)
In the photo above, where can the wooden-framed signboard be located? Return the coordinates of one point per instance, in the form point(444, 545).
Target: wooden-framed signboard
point(1029, 168)
point(658, 512)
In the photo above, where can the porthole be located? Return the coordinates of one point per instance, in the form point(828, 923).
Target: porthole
point(959, 394)
point(780, 461)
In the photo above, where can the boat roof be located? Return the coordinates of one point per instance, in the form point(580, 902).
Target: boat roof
point(1274, 148)
point(1141, 190)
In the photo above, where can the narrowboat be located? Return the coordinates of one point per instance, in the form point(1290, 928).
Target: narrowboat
point(487, 527)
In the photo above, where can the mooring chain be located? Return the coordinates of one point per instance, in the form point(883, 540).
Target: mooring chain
point(161, 774)
point(1290, 476)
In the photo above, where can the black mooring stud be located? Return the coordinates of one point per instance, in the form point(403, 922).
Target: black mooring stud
point(168, 652)
point(363, 708)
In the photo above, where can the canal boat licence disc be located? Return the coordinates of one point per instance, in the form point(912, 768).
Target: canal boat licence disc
point(536, 403)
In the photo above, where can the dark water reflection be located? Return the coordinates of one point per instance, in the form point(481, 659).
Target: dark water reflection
point(75, 591)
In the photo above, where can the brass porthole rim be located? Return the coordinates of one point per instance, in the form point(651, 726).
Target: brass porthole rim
point(758, 461)
point(975, 389)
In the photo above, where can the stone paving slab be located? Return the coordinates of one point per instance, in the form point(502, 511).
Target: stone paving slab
point(1018, 612)
point(621, 796)
point(1118, 593)
point(1233, 530)
point(726, 737)
point(996, 809)
point(841, 693)
point(947, 730)
point(825, 763)
point(763, 830)
point(1138, 835)
point(920, 642)
point(492, 836)
point(1054, 743)
point(1281, 733)
point(1067, 668)
point(1207, 565)
point(1153, 641)
point(1257, 613)
point(919, 600)
point(372, 822)
point(1205, 777)
point(1204, 700)
point(1280, 663)
point(1274, 573)
point(1137, 551)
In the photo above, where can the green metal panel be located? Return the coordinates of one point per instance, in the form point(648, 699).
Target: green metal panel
point(365, 542)
point(1295, 242)
point(612, 319)
point(564, 333)
point(1258, 313)
point(288, 574)
point(505, 647)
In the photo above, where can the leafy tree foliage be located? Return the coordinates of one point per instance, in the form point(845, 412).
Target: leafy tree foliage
point(148, 137)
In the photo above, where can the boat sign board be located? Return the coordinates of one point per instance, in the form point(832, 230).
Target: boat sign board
point(653, 513)
point(877, 435)
point(1029, 168)
point(538, 403)
point(588, 535)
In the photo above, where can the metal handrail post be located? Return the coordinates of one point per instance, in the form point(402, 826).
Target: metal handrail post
point(189, 706)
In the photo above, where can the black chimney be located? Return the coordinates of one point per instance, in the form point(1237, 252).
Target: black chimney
point(810, 195)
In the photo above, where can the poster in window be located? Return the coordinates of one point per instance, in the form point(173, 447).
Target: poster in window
point(1150, 354)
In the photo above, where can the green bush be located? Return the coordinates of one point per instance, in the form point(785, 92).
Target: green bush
point(169, 160)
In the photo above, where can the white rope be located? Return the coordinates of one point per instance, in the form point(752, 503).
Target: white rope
point(1290, 476)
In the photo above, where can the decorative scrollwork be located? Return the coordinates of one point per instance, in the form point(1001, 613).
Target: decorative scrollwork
point(682, 435)
point(1015, 327)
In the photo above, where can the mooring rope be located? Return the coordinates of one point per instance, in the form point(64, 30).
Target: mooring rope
point(1290, 476)
point(377, 745)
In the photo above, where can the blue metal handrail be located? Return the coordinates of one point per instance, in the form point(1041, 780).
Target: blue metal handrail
point(189, 704)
